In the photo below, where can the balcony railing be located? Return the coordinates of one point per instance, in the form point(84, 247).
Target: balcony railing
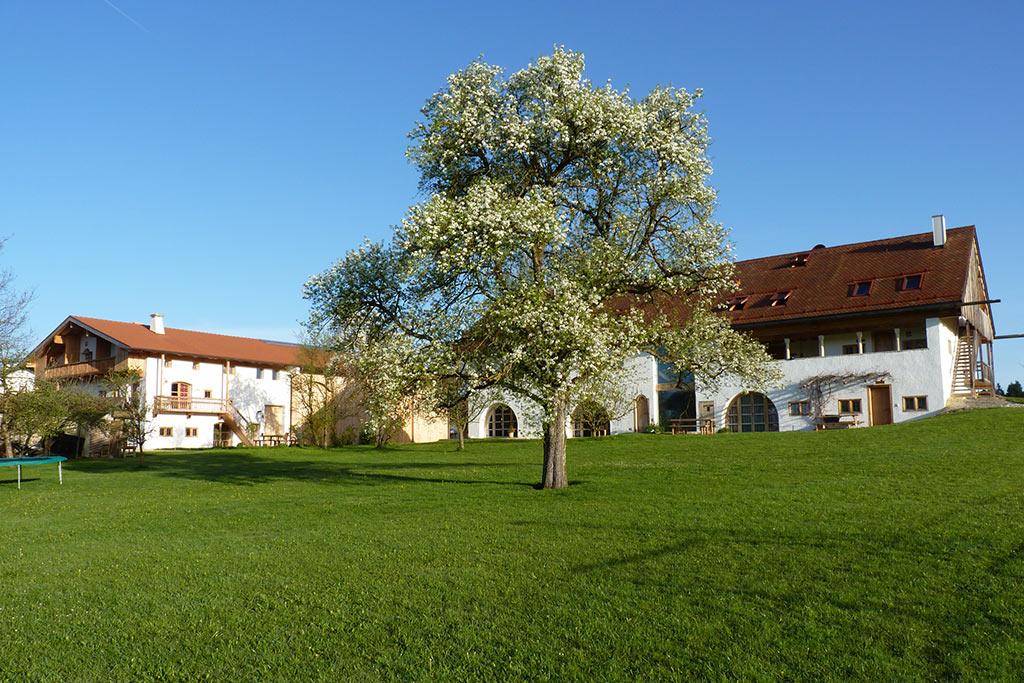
point(84, 368)
point(188, 404)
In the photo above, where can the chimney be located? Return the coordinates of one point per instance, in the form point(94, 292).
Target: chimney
point(939, 230)
point(156, 323)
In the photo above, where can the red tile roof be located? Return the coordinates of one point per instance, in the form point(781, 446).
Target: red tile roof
point(819, 287)
point(138, 337)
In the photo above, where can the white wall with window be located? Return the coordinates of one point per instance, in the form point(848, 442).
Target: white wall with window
point(925, 370)
point(261, 395)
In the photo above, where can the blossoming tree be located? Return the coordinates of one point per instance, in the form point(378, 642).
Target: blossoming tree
point(567, 227)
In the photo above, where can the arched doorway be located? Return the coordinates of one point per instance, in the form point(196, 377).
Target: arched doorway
point(641, 413)
point(221, 435)
point(752, 412)
point(501, 422)
point(590, 419)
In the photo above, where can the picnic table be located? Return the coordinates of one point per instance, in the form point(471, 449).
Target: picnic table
point(836, 422)
point(276, 440)
point(37, 460)
point(692, 425)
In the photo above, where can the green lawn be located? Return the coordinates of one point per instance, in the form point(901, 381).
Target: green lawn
point(894, 552)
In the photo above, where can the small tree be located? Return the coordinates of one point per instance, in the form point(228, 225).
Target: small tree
point(317, 390)
point(385, 370)
point(13, 351)
point(38, 414)
point(49, 410)
point(130, 411)
point(1014, 389)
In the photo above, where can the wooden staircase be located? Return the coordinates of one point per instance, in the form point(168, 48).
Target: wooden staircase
point(963, 367)
point(236, 423)
point(969, 373)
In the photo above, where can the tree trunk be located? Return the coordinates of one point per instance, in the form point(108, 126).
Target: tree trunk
point(554, 450)
point(462, 437)
point(8, 448)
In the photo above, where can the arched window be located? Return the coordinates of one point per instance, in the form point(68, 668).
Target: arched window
point(590, 419)
point(501, 422)
point(752, 412)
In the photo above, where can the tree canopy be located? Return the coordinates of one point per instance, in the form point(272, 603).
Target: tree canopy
point(560, 217)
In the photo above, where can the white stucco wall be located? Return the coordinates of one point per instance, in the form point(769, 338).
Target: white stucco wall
point(249, 394)
point(642, 380)
point(913, 372)
point(527, 417)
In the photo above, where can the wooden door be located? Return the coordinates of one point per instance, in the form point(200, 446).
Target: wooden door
point(706, 417)
point(884, 341)
point(273, 417)
point(181, 396)
point(641, 414)
point(880, 404)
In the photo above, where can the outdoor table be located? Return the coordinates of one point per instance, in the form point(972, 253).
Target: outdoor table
point(41, 460)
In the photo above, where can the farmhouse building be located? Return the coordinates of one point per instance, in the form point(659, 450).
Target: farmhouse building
point(864, 334)
point(201, 389)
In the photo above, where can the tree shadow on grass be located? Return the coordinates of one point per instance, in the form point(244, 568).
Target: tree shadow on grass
point(246, 469)
point(14, 481)
point(947, 621)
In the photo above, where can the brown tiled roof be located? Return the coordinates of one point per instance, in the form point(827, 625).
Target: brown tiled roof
point(819, 287)
point(177, 342)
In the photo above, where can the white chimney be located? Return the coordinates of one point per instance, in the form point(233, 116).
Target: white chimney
point(939, 230)
point(156, 323)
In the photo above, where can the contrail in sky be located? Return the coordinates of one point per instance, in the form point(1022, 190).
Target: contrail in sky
point(125, 15)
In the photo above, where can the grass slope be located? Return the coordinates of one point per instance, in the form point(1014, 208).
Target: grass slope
point(881, 553)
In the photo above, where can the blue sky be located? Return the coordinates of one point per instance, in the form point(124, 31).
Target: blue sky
point(203, 159)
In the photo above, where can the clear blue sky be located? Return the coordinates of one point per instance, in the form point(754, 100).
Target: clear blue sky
point(202, 159)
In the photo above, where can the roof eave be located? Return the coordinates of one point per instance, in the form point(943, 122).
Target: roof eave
point(952, 305)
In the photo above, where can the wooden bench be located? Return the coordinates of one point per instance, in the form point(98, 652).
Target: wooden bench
point(836, 422)
point(691, 426)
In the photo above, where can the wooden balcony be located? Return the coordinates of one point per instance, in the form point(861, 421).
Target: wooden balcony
point(190, 405)
point(87, 368)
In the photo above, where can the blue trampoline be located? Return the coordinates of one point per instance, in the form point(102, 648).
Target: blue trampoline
point(41, 460)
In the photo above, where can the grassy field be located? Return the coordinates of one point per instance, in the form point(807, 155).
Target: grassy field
point(894, 552)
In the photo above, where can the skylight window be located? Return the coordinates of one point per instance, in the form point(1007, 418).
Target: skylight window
point(908, 282)
point(736, 303)
point(858, 288)
point(779, 298)
point(799, 260)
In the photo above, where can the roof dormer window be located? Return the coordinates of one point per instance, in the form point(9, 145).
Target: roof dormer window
point(862, 288)
point(908, 282)
point(779, 298)
point(736, 303)
point(798, 260)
